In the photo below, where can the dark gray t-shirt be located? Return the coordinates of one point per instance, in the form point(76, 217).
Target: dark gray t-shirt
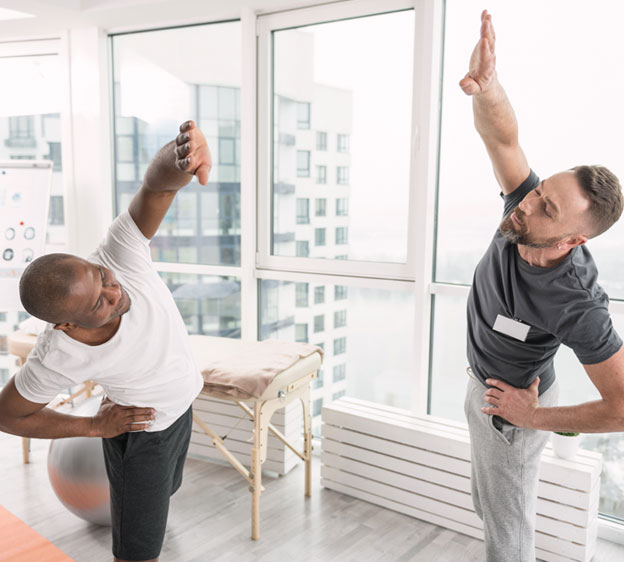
point(560, 304)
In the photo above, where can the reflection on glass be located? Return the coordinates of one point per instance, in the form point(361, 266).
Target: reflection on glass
point(341, 132)
point(157, 87)
point(352, 327)
point(209, 305)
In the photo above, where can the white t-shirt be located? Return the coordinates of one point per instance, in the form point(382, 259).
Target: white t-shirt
point(147, 363)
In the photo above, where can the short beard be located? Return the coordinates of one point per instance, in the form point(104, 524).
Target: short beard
point(521, 238)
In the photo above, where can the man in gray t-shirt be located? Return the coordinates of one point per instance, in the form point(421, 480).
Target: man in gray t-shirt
point(534, 289)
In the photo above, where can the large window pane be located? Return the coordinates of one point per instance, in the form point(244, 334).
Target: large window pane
point(157, 87)
point(351, 328)
point(30, 129)
point(209, 305)
point(341, 129)
point(560, 126)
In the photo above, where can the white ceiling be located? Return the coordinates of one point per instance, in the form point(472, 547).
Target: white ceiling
point(52, 16)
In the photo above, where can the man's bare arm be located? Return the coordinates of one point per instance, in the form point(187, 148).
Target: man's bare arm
point(19, 416)
point(170, 170)
point(494, 117)
point(521, 407)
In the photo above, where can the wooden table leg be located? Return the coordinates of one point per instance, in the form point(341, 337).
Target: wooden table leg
point(26, 449)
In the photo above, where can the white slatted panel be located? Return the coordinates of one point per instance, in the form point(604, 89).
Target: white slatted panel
point(421, 466)
point(226, 418)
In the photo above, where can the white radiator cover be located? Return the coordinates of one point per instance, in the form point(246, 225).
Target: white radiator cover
point(420, 466)
point(226, 418)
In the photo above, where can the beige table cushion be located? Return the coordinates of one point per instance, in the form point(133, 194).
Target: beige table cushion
point(214, 354)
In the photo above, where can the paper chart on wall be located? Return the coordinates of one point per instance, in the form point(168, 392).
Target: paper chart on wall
point(24, 200)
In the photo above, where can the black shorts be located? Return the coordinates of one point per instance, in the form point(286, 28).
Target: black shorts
point(144, 469)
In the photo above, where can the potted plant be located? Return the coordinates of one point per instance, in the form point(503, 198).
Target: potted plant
point(565, 443)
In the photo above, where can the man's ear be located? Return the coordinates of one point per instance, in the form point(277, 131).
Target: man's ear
point(577, 240)
point(65, 326)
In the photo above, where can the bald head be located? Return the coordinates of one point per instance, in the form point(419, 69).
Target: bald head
point(46, 285)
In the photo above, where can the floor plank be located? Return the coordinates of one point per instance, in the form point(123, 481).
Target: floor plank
point(209, 520)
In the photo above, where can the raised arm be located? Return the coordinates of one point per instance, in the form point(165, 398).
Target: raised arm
point(494, 117)
point(170, 170)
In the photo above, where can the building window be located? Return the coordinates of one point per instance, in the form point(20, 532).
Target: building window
point(342, 235)
point(340, 346)
point(319, 295)
point(342, 144)
point(318, 381)
point(339, 372)
point(301, 333)
point(320, 207)
point(338, 394)
point(319, 323)
point(56, 214)
point(303, 211)
point(342, 175)
point(321, 175)
point(303, 115)
point(340, 319)
point(301, 295)
point(340, 292)
point(342, 207)
point(303, 163)
point(227, 149)
point(317, 406)
point(302, 248)
point(319, 236)
point(22, 127)
point(321, 140)
point(54, 154)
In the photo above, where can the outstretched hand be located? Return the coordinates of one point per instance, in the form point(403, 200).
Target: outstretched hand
point(192, 152)
point(482, 70)
point(516, 405)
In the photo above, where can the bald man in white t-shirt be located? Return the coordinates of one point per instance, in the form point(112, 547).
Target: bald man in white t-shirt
point(111, 319)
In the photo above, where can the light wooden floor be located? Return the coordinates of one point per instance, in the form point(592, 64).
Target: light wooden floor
point(209, 520)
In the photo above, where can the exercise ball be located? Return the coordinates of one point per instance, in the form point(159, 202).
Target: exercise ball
point(77, 471)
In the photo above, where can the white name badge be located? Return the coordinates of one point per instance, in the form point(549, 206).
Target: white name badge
point(512, 328)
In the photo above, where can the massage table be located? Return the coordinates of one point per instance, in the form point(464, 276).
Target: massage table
point(288, 385)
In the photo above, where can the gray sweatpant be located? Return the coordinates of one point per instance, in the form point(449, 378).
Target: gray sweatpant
point(505, 470)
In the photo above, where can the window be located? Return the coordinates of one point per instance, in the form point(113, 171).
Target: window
point(303, 115)
point(54, 154)
point(338, 394)
point(317, 406)
point(303, 248)
point(342, 207)
point(342, 175)
point(303, 163)
point(319, 236)
point(321, 174)
point(319, 295)
point(301, 333)
point(318, 381)
point(340, 319)
point(320, 207)
point(302, 295)
point(340, 292)
point(340, 346)
point(22, 128)
point(342, 144)
point(342, 234)
point(345, 106)
point(203, 226)
point(340, 372)
point(319, 323)
point(303, 211)
point(321, 140)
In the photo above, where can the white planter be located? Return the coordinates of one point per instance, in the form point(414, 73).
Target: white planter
point(565, 446)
